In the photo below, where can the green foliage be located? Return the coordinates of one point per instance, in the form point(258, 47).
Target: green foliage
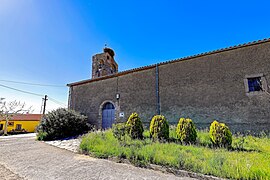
point(134, 126)
point(220, 134)
point(203, 138)
point(186, 131)
point(41, 136)
point(62, 123)
point(159, 128)
point(239, 142)
point(119, 131)
point(218, 162)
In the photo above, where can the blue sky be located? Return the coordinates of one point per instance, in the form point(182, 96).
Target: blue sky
point(51, 42)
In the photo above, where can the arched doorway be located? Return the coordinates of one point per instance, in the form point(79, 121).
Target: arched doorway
point(108, 115)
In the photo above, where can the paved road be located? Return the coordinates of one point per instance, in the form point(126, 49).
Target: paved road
point(21, 157)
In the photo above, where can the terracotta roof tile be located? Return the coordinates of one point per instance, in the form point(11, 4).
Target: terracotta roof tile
point(25, 117)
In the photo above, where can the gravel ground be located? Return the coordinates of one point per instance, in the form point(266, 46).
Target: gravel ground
point(22, 157)
point(6, 174)
point(70, 144)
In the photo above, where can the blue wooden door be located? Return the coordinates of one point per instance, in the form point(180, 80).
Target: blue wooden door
point(108, 115)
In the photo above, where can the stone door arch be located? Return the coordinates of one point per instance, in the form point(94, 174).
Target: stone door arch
point(108, 115)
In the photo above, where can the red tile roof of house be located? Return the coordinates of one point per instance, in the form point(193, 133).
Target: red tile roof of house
point(25, 117)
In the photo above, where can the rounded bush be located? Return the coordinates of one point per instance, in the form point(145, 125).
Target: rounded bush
point(134, 126)
point(159, 128)
point(62, 123)
point(220, 134)
point(186, 131)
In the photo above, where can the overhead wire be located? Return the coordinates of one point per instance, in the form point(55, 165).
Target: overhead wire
point(36, 94)
point(32, 84)
point(57, 102)
point(15, 89)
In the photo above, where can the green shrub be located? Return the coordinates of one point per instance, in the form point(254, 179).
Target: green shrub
point(186, 131)
point(134, 126)
point(220, 135)
point(119, 131)
point(41, 136)
point(159, 128)
point(62, 123)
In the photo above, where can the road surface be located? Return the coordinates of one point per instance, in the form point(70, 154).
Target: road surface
point(22, 157)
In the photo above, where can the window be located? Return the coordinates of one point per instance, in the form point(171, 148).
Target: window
point(254, 84)
point(100, 66)
point(18, 127)
point(1, 126)
point(98, 73)
point(10, 123)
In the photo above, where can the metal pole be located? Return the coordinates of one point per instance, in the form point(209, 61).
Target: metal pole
point(157, 90)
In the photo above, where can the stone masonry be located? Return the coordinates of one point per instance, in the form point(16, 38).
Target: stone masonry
point(204, 87)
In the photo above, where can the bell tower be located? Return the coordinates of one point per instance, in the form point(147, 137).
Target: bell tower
point(104, 64)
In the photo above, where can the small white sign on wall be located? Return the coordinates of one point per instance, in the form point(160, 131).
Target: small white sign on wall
point(122, 114)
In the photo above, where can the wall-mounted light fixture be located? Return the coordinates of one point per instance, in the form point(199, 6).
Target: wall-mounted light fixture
point(117, 96)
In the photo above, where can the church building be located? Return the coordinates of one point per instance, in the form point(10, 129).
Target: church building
point(230, 85)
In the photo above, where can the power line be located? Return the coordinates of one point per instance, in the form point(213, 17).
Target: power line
point(57, 102)
point(27, 92)
point(32, 84)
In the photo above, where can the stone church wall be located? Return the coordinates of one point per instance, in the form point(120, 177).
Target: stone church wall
point(137, 94)
point(204, 88)
point(212, 87)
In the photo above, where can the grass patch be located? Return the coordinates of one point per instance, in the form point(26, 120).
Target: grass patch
point(249, 157)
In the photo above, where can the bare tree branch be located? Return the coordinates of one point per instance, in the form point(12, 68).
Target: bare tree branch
point(8, 110)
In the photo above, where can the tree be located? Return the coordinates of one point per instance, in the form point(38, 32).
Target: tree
point(9, 109)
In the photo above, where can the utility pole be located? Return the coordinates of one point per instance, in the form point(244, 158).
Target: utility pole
point(44, 106)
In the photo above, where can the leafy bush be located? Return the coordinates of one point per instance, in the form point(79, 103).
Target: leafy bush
point(134, 126)
point(62, 123)
point(186, 131)
point(159, 128)
point(42, 136)
point(119, 131)
point(220, 134)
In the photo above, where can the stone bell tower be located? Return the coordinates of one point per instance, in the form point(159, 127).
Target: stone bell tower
point(104, 64)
